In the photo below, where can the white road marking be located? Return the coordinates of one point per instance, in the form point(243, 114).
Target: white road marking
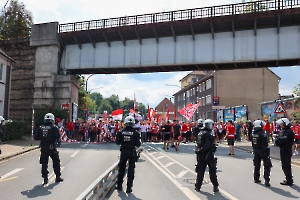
point(11, 173)
point(182, 173)
point(162, 152)
point(185, 190)
point(52, 177)
point(84, 145)
point(169, 164)
point(160, 157)
point(74, 154)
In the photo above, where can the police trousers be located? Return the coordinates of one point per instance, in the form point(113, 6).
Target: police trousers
point(286, 159)
point(126, 154)
point(46, 152)
point(202, 162)
point(257, 163)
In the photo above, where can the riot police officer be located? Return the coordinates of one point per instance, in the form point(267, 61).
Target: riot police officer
point(48, 133)
point(285, 140)
point(197, 128)
point(261, 152)
point(128, 139)
point(205, 156)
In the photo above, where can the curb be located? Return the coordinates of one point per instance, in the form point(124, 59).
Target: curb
point(19, 153)
point(273, 157)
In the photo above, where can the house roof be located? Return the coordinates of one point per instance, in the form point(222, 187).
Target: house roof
point(6, 56)
point(193, 73)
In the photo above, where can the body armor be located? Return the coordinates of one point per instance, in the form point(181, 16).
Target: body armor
point(127, 140)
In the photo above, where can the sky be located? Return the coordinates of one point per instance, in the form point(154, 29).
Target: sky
point(147, 88)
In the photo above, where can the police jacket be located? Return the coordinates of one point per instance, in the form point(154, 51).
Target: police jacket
point(285, 138)
point(260, 139)
point(205, 141)
point(196, 130)
point(128, 138)
point(47, 133)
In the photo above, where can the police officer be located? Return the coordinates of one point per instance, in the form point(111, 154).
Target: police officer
point(261, 152)
point(128, 139)
point(48, 133)
point(197, 128)
point(285, 140)
point(205, 156)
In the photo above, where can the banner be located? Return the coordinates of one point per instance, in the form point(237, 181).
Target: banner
point(189, 110)
point(229, 114)
point(117, 114)
point(241, 113)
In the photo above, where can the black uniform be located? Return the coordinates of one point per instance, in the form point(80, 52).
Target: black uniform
point(49, 135)
point(249, 127)
point(261, 152)
point(128, 139)
point(205, 150)
point(285, 141)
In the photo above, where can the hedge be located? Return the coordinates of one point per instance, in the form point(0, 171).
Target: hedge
point(13, 130)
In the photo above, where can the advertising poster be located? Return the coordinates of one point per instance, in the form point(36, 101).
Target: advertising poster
point(229, 114)
point(267, 111)
point(241, 113)
point(220, 117)
point(74, 112)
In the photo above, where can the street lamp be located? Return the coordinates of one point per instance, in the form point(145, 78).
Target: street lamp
point(173, 85)
point(87, 81)
point(93, 89)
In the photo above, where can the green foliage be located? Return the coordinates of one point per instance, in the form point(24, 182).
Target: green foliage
point(15, 21)
point(114, 101)
point(126, 103)
point(296, 113)
point(40, 113)
point(105, 105)
point(13, 130)
point(97, 98)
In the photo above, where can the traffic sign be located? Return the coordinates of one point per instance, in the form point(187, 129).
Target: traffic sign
point(280, 109)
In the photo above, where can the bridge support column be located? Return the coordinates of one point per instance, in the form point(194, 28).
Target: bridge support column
point(51, 88)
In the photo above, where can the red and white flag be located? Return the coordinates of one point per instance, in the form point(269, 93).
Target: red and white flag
point(117, 114)
point(134, 103)
point(151, 114)
point(189, 110)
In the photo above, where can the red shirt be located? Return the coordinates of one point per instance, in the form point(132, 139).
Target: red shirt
point(267, 127)
point(231, 130)
point(155, 129)
point(184, 128)
point(296, 131)
point(70, 126)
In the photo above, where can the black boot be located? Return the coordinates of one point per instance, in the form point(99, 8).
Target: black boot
point(286, 183)
point(58, 179)
point(45, 181)
point(0, 151)
point(128, 190)
point(267, 183)
point(216, 188)
point(119, 187)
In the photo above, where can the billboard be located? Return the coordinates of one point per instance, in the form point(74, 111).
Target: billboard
point(241, 113)
point(74, 112)
point(229, 114)
point(220, 117)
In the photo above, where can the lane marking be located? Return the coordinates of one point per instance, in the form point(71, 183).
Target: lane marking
point(169, 164)
point(11, 173)
point(160, 157)
point(189, 194)
point(182, 173)
point(52, 178)
point(74, 154)
point(221, 190)
point(8, 179)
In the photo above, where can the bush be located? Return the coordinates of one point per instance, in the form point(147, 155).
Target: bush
point(13, 130)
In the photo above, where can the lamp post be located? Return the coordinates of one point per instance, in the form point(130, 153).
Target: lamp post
point(87, 81)
point(93, 89)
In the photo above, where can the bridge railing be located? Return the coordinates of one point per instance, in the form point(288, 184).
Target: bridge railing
point(196, 13)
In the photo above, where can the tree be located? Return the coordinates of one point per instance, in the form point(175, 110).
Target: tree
point(15, 21)
point(126, 103)
point(105, 105)
point(114, 101)
point(97, 98)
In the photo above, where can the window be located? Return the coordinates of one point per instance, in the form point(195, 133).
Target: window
point(208, 84)
point(1, 71)
point(208, 99)
point(183, 96)
point(188, 93)
point(200, 87)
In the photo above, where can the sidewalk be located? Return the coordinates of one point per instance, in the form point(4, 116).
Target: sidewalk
point(274, 151)
point(16, 147)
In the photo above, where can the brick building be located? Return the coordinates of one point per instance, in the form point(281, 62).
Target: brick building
point(163, 106)
point(232, 88)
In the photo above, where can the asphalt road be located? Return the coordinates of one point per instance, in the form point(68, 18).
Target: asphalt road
point(160, 174)
point(169, 175)
point(81, 164)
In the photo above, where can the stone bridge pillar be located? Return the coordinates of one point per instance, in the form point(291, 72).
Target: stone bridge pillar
point(51, 88)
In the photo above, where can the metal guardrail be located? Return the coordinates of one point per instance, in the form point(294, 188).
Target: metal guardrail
point(196, 13)
point(102, 185)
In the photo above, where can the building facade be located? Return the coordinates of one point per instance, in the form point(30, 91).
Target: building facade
point(5, 83)
point(162, 109)
point(231, 88)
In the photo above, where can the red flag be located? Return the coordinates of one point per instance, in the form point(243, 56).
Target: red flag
point(134, 103)
point(168, 115)
point(148, 114)
point(117, 114)
point(189, 110)
point(175, 114)
point(157, 118)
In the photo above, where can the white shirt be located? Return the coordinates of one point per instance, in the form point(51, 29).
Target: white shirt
point(137, 117)
point(143, 127)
